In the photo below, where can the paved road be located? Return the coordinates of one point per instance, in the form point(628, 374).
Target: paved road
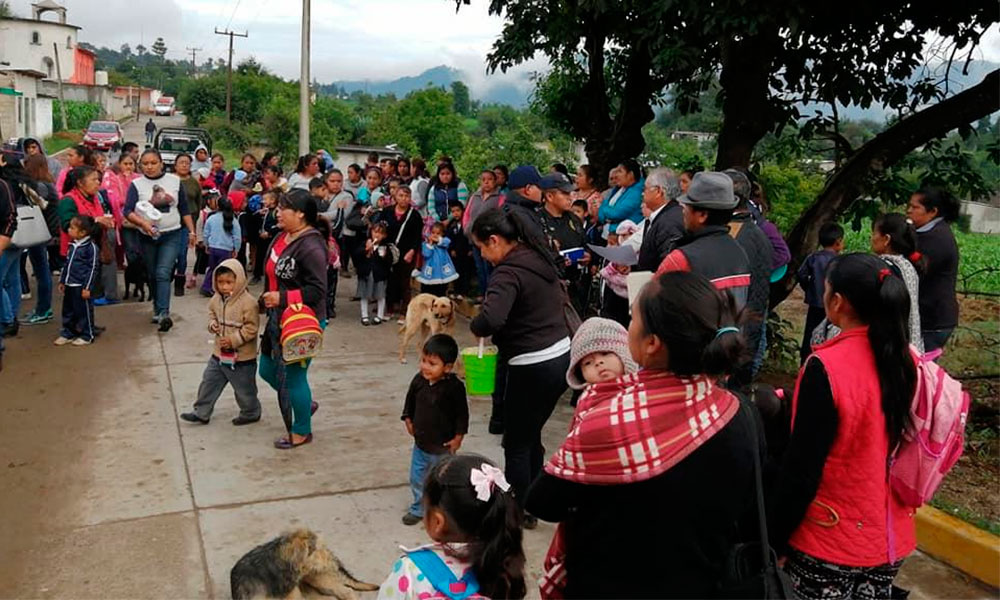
point(105, 493)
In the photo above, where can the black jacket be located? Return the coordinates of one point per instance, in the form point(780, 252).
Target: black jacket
point(666, 537)
point(405, 233)
point(938, 304)
point(302, 266)
point(8, 209)
point(523, 307)
point(660, 236)
point(759, 254)
point(439, 412)
point(526, 213)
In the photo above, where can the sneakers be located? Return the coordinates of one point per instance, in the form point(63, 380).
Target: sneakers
point(102, 301)
point(62, 341)
point(411, 519)
point(166, 323)
point(191, 417)
point(82, 342)
point(36, 319)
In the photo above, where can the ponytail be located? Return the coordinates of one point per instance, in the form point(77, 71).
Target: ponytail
point(512, 227)
point(225, 206)
point(902, 238)
point(493, 526)
point(698, 324)
point(881, 301)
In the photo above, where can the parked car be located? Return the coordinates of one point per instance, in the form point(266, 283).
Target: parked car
point(165, 106)
point(103, 135)
point(171, 141)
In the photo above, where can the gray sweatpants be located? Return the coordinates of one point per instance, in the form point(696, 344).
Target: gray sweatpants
point(242, 376)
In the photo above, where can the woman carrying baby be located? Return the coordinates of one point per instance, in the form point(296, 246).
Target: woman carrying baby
point(667, 442)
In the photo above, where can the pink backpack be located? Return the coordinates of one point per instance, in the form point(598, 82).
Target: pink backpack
point(935, 437)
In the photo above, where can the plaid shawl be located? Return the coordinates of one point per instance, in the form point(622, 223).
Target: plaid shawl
point(631, 430)
point(637, 427)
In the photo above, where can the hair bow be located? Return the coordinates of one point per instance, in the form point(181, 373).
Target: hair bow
point(485, 478)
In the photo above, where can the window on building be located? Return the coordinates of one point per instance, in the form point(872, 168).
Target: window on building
point(36, 39)
point(49, 66)
point(69, 42)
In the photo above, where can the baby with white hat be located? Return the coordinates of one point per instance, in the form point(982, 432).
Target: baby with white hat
point(599, 353)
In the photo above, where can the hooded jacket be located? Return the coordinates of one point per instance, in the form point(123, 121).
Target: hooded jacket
point(55, 167)
point(522, 310)
point(302, 267)
point(237, 316)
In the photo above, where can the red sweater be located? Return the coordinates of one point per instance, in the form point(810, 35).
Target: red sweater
point(855, 520)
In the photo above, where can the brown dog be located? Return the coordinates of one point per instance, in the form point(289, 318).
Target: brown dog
point(428, 314)
point(279, 568)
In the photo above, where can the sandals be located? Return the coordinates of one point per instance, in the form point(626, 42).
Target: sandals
point(285, 442)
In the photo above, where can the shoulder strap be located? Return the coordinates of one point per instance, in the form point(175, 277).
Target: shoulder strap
point(441, 576)
point(402, 224)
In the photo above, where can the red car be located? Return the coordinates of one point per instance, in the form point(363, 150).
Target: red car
point(103, 135)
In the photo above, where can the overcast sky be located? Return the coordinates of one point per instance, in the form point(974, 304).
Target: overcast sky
point(352, 39)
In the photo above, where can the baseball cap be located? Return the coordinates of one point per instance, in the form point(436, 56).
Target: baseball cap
point(556, 181)
point(522, 176)
point(710, 190)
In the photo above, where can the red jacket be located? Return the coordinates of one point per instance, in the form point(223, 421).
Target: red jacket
point(855, 520)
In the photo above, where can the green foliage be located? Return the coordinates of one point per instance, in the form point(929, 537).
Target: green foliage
point(159, 48)
point(679, 155)
point(790, 190)
point(78, 114)
point(5, 10)
point(461, 99)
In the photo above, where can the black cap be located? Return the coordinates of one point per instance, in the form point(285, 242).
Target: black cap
point(556, 181)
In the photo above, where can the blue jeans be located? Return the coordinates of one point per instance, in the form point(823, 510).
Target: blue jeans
point(420, 464)
point(10, 284)
point(160, 255)
point(483, 270)
point(39, 257)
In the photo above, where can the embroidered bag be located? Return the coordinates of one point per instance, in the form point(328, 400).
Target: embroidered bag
point(935, 437)
point(301, 335)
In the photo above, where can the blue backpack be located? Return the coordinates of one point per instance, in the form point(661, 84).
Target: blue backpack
point(441, 576)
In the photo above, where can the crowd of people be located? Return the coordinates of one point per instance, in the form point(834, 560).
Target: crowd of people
point(662, 375)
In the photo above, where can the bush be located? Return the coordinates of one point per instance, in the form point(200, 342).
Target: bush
point(229, 135)
point(789, 192)
point(78, 114)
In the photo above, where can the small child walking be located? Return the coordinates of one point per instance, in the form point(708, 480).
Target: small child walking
point(373, 276)
point(234, 319)
point(438, 270)
point(223, 239)
point(77, 281)
point(475, 526)
point(436, 414)
point(812, 278)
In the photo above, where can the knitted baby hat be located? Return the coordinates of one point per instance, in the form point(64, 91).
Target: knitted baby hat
point(598, 335)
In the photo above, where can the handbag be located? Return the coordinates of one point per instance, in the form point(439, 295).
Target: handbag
point(572, 318)
point(32, 229)
point(751, 569)
point(301, 335)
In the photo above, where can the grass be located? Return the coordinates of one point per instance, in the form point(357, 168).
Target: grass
point(967, 516)
point(61, 140)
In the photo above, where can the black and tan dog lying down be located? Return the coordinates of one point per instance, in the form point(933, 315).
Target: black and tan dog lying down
point(288, 565)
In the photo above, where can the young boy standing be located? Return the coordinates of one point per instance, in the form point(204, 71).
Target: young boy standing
point(234, 319)
point(436, 414)
point(812, 278)
point(77, 281)
point(460, 250)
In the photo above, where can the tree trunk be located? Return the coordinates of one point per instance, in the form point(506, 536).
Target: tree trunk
point(747, 107)
point(880, 153)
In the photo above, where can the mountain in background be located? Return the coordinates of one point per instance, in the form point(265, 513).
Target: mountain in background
point(511, 89)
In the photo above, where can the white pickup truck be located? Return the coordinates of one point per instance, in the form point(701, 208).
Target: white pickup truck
point(165, 106)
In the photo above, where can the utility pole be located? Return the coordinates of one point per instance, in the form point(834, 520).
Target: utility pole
point(229, 71)
point(194, 58)
point(62, 99)
point(304, 83)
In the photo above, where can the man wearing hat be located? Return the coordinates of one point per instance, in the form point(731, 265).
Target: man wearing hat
point(564, 231)
point(707, 248)
point(524, 200)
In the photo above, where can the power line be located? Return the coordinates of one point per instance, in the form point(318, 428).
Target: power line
point(235, 8)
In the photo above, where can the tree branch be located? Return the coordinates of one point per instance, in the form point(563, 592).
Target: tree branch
point(880, 153)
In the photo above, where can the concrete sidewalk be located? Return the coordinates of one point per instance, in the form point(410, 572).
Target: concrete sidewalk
point(106, 493)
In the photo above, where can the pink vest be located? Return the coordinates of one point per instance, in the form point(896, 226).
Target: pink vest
point(855, 520)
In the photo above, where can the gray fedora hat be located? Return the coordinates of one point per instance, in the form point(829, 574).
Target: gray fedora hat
point(710, 190)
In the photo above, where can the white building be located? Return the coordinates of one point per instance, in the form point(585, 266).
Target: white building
point(24, 111)
point(28, 43)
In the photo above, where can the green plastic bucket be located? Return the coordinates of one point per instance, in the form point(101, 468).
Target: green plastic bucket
point(480, 373)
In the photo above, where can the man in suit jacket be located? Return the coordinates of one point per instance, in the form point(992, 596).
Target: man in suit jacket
point(665, 223)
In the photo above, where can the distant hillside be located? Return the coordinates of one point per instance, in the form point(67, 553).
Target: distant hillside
point(502, 90)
